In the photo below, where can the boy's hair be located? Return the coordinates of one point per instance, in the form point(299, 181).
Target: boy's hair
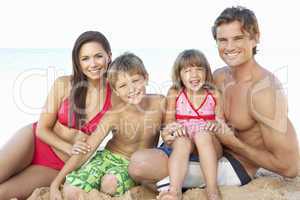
point(191, 57)
point(241, 14)
point(127, 62)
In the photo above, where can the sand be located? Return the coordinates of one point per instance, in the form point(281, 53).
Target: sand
point(267, 186)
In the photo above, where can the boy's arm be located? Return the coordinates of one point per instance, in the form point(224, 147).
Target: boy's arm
point(94, 141)
point(170, 106)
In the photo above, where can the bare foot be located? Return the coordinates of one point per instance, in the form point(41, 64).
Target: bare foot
point(171, 194)
point(214, 195)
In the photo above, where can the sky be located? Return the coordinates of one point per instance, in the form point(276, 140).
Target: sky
point(156, 25)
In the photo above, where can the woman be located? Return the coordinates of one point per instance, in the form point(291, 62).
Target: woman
point(74, 107)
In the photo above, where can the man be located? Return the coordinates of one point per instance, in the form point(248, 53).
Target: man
point(254, 103)
point(257, 132)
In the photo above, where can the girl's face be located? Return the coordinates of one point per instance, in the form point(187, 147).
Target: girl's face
point(131, 88)
point(93, 60)
point(193, 77)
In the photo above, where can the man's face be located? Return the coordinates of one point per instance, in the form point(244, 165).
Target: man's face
point(234, 45)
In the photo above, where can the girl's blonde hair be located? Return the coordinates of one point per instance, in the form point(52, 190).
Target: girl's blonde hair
point(191, 57)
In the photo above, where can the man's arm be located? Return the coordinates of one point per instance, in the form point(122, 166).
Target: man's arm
point(268, 107)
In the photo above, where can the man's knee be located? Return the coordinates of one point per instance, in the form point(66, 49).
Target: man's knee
point(109, 184)
point(71, 192)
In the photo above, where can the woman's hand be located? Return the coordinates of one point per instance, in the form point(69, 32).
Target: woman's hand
point(54, 192)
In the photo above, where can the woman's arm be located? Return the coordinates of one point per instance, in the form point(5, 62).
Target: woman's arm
point(48, 116)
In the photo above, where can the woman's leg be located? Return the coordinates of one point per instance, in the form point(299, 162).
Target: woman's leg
point(23, 184)
point(148, 166)
point(17, 153)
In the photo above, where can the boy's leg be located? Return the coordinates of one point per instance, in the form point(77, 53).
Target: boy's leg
point(88, 176)
point(148, 166)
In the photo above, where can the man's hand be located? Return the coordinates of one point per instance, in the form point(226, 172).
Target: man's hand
point(222, 131)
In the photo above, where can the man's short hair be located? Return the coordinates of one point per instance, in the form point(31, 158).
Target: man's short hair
point(244, 15)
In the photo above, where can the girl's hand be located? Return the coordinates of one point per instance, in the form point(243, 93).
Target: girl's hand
point(177, 129)
point(55, 193)
point(80, 147)
point(171, 131)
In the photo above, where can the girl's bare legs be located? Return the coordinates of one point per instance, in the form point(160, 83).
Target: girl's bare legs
point(208, 163)
point(178, 165)
point(17, 177)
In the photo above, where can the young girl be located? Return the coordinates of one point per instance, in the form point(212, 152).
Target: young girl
point(192, 101)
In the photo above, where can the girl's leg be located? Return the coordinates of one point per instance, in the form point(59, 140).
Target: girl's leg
point(148, 166)
point(23, 184)
point(178, 164)
point(208, 162)
point(178, 161)
point(17, 153)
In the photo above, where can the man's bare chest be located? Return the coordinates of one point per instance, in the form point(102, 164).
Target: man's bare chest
point(237, 107)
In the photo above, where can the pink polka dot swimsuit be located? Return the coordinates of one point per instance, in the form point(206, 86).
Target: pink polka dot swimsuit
point(191, 118)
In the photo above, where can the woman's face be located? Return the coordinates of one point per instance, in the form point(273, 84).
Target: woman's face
point(93, 60)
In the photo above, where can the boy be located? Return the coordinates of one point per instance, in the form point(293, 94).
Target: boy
point(135, 125)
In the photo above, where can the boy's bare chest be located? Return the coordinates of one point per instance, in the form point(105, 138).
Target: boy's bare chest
point(140, 126)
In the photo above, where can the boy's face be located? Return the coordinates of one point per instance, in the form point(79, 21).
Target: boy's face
point(131, 88)
point(234, 45)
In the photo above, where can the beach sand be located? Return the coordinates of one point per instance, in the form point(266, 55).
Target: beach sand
point(267, 186)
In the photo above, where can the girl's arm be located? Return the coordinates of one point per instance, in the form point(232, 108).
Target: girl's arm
point(76, 161)
point(169, 122)
point(48, 116)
